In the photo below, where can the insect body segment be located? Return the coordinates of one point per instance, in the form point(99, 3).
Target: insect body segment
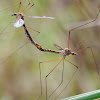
point(65, 52)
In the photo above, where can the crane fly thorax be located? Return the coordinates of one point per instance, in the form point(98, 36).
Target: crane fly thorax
point(65, 52)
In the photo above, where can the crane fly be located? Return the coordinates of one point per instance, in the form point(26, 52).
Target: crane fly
point(63, 52)
point(20, 21)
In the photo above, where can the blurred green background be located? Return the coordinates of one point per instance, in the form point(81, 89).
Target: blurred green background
point(19, 75)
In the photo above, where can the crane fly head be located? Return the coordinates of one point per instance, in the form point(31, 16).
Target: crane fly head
point(18, 15)
point(74, 53)
point(14, 14)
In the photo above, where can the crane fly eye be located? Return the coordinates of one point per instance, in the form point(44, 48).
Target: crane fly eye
point(14, 14)
point(72, 53)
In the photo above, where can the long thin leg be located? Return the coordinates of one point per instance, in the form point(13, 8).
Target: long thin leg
point(95, 61)
point(11, 31)
point(36, 35)
point(81, 26)
point(19, 7)
point(40, 75)
point(18, 48)
point(78, 45)
point(47, 77)
point(28, 8)
point(25, 10)
point(82, 49)
point(92, 55)
point(60, 82)
point(5, 28)
point(69, 80)
point(31, 1)
point(68, 41)
point(9, 7)
point(32, 29)
point(14, 52)
point(17, 30)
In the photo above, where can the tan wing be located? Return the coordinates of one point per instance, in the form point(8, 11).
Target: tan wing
point(58, 47)
point(39, 17)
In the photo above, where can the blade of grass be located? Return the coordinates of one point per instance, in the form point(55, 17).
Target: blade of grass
point(85, 96)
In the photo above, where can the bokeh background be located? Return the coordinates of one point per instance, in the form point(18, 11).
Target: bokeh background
point(19, 73)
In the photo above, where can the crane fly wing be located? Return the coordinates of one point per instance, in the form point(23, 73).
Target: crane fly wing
point(58, 47)
point(92, 24)
point(40, 17)
point(18, 23)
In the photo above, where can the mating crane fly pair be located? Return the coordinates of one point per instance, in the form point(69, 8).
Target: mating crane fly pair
point(64, 52)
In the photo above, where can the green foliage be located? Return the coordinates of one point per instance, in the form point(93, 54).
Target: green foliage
point(85, 96)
